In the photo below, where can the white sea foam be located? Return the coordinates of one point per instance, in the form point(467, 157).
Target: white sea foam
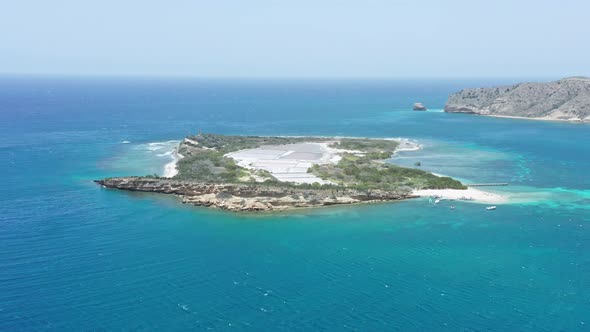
point(158, 145)
point(170, 169)
point(165, 149)
point(406, 145)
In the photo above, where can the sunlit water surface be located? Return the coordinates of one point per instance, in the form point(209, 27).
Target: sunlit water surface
point(78, 257)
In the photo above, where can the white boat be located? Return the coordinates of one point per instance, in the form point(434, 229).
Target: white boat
point(493, 207)
point(436, 201)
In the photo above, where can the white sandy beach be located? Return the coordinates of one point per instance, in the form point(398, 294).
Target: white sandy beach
point(170, 168)
point(538, 119)
point(469, 194)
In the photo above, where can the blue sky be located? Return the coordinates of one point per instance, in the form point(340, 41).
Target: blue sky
point(298, 39)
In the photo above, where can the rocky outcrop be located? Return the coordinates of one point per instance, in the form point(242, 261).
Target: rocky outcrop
point(566, 99)
point(419, 107)
point(251, 197)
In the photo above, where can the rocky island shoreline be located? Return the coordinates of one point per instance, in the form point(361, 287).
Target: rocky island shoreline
point(254, 173)
point(252, 197)
point(567, 99)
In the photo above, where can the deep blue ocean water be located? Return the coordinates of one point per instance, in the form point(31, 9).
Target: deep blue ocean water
point(78, 257)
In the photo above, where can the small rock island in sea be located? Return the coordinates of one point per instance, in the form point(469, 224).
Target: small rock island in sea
point(254, 173)
point(567, 99)
point(419, 107)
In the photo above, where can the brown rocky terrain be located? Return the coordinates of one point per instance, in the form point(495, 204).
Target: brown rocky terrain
point(565, 99)
point(251, 197)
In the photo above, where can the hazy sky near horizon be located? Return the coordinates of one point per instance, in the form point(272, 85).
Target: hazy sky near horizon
point(302, 39)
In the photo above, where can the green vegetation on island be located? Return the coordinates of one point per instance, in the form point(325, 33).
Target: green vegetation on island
point(208, 166)
point(252, 173)
point(367, 145)
point(368, 172)
point(204, 160)
point(226, 143)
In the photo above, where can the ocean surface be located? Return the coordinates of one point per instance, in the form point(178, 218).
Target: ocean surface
point(77, 257)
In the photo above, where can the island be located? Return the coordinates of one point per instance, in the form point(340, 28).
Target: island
point(419, 107)
point(256, 173)
point(567, 99)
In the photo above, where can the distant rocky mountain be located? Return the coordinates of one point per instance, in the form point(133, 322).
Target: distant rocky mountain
point(566, 99)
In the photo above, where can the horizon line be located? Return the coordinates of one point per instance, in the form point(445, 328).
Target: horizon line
point(278, 78)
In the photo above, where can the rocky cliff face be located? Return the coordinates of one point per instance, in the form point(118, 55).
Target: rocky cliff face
point(250, 197)
point(566, 99)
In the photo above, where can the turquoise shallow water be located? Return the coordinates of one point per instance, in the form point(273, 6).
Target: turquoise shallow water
point(77, 257)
